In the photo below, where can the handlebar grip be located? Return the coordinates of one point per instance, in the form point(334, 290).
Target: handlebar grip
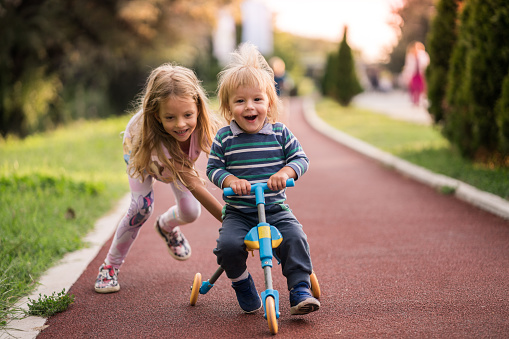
point(229, 192)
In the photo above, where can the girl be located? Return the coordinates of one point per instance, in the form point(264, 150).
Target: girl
point(162, 142)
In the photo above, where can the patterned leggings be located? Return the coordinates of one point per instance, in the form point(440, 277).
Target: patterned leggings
point(186, 210)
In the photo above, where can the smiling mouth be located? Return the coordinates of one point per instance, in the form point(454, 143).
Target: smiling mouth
point(250, 117)
point(183, 132)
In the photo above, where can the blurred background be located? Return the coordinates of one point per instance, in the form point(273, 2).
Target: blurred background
point(65, 60)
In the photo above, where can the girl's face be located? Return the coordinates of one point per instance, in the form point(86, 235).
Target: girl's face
point(179, 117)
point(249, 107)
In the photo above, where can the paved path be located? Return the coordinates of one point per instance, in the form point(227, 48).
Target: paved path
point(395, 104)
point(394, 259)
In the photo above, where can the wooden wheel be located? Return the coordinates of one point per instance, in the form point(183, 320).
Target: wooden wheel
point(195, 289)
point(315, 287)
point(270, 308)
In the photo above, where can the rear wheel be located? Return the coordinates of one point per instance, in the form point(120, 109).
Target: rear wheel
point(270, 306)
point(195, 289)
point(315, 287)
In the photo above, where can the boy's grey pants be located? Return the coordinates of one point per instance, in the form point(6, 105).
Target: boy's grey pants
point(294, 250)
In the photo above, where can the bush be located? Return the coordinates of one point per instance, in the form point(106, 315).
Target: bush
point(441, 39)
point(478, 66)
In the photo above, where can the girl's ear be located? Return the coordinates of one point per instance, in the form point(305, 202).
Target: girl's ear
point(158, 118)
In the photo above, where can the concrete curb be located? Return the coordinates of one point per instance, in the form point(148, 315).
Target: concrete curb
point(463, 191)
point(66, 272)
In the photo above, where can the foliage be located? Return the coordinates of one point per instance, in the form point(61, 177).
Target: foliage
point(479, 63)
point(414, 17)
point(65, 179)
point(340, 79)
point(7, 311)
point(331, 69)
point(440, 41)
point(347, 84)
point(65, 60)
point(502, 117)
point(46, 306)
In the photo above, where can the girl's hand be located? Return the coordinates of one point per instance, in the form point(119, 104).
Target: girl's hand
point(240, 186)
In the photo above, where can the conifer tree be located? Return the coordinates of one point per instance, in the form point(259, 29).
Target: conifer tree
point(346, 84)
point(441, 40)
point(489, 61)
point(478, 66)
point(502, 114)
point(329, 76)
point(457, 122)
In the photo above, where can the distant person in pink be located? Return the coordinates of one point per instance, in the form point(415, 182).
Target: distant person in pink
point(416, 62)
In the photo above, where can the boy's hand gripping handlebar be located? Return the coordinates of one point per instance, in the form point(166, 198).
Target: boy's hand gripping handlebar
point(228, 191)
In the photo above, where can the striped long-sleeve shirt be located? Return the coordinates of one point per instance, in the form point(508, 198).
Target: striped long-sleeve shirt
point(254, 157)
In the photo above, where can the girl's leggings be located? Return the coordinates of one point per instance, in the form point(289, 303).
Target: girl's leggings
point(186, 210)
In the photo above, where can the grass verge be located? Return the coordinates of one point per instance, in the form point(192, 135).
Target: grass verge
point(419, 144)
point(53, 187)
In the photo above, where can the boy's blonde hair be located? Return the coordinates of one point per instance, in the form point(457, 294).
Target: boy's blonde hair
point(165, 82)
point(248, 68)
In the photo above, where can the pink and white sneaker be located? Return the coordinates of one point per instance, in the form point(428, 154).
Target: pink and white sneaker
point(107, 280)
point(178, 246)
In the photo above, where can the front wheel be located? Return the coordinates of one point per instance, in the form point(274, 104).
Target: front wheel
point(195, 289)
point(315, 287)
point(270, 308)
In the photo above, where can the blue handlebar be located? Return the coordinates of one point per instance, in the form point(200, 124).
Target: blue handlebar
point(229, 192)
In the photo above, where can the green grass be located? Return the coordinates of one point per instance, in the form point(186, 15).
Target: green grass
point(53, 187)
point(46, 306)
point(418, 144)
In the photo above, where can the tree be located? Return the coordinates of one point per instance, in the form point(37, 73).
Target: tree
point(62, 60)
point(458, 126)
point(346, 83)
point(51, 48)
point(441, 40)
point(479, 64)
point(502, 116)
point(329, 75)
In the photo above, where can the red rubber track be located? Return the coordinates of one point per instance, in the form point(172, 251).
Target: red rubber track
point(394, 258)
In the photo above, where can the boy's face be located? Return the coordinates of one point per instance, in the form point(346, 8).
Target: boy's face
point(249, 107)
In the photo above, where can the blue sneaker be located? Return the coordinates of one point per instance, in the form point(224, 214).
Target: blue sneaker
point(301, 300)
point(247, 296)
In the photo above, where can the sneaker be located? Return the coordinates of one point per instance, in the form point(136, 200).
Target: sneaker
point(107, 280)
point(178, 246)
point(247, 296)
point(301, 300)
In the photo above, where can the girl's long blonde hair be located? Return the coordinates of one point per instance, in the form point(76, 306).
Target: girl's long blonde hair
point(148, 134)
point(247, 68)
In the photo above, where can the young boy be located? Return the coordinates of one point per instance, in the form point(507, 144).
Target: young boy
point(254, 148)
